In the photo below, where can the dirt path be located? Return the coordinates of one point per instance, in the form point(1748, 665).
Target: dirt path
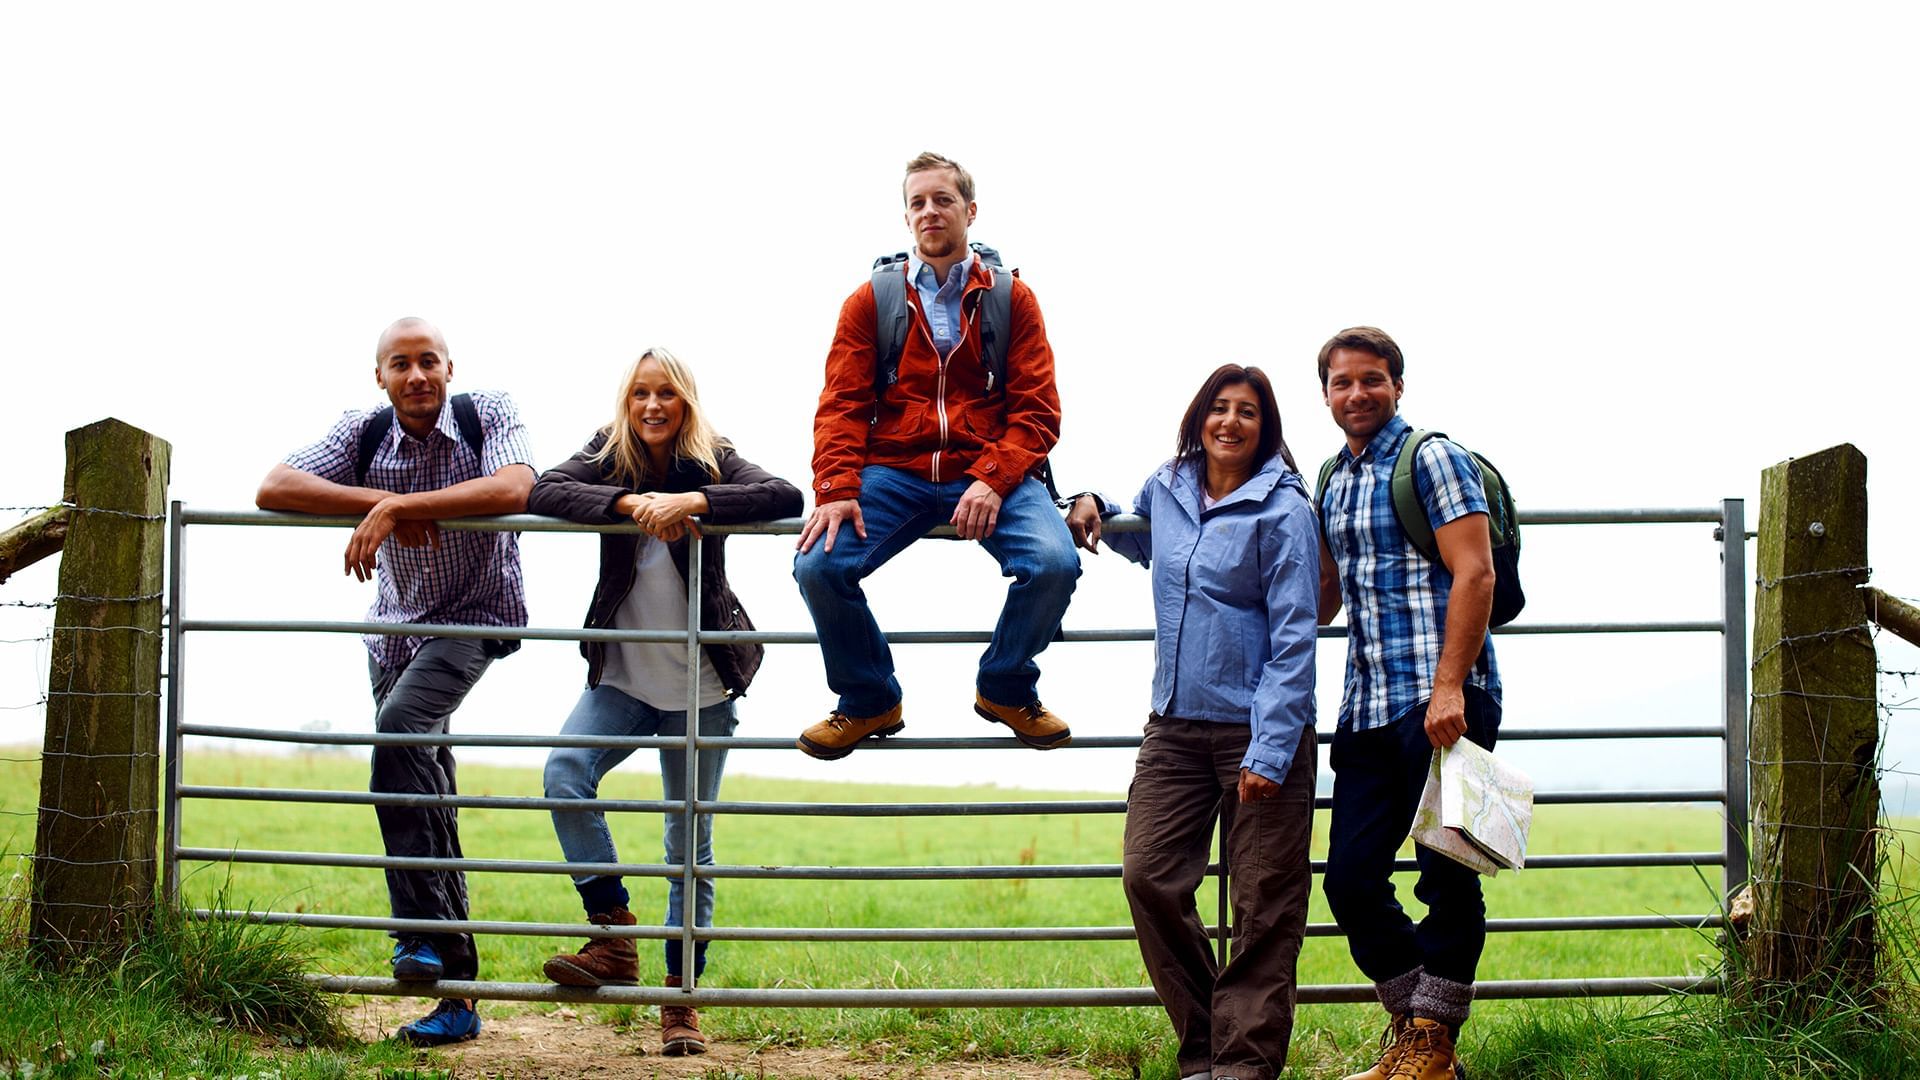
point(567, 1043)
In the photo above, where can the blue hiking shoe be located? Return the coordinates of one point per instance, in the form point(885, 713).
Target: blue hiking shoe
point(453, 1020)
point(415, 961)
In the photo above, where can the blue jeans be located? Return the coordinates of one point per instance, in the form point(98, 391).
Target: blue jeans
point(1030, 543)
point(1377, 779)
point(574, 772)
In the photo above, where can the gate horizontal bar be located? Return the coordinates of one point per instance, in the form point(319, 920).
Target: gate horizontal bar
point(1024, 998)
point(1041, 871)
point(738, 742)
point(824, 809)
point(885, 933)
point(803, 637)
point(1684, 515)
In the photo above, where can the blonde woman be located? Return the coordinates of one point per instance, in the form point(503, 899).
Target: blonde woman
point(658, 464)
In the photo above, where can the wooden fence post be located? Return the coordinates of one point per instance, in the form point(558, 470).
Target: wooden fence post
point(93, 867)
point(1815, 726)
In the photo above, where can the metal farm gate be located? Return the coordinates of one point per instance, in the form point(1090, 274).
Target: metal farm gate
point(1728, 520)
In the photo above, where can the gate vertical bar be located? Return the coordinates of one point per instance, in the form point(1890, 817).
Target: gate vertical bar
point(176, 652)
point(1733, 611)
point(690, 845)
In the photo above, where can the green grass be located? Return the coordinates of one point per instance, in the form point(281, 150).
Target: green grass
point(1507, 1039)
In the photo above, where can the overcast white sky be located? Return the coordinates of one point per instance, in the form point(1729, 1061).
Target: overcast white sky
point(1635, 254)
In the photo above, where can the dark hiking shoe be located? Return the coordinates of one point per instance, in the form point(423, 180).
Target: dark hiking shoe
point(601, 961)
point(680, 1028)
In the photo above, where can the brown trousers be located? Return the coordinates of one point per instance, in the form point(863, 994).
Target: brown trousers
point(1235, 1021)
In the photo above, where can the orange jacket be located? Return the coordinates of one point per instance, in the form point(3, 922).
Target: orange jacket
point(937, 421)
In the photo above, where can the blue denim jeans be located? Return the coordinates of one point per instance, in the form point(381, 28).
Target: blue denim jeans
point(1029, 541)
point(574, 772)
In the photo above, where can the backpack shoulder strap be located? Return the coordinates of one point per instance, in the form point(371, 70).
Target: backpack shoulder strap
point(467, 416)
point(1407, 507)
point(1320, 495)
point(371, 437)
point(889, 319)
point(996, 327)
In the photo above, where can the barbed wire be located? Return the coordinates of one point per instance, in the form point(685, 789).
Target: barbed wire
point(78, 509)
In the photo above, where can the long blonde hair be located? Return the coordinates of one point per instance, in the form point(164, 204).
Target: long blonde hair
point(696, 441)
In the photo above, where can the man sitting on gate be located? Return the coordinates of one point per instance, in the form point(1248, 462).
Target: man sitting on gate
point(1420, 675)
point(951, 424)
point(399, 469)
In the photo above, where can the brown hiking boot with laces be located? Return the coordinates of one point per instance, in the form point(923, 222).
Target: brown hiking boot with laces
point(1390, 1046)
point(680, 1028)
point(839, 734)
point(1426, 1053)
point(1032, 723)
point(602, 961)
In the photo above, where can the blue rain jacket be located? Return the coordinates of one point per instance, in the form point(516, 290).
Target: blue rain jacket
point(1236, 595)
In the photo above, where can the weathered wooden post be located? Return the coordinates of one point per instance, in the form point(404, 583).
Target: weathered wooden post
point(1816, 792)
point(93, 867)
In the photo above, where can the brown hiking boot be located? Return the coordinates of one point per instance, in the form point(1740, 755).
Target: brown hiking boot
point(837, 736)
point(1391, 1041)
point(1427, 1053)
point(1032, 724)
point(602, 961)
point(680, 1028)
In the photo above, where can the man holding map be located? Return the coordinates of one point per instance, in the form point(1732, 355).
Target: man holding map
point(1420, 675)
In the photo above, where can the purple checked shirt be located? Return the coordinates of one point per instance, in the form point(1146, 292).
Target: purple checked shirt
point(471, 578)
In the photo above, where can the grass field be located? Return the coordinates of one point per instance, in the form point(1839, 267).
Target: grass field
point(1109, 1039)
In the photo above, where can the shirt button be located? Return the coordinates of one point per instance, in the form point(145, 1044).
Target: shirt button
point(988, 467)
point(825, 485)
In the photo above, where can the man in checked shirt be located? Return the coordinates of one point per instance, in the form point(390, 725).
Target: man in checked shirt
point(423, 469)
point(1420, 675)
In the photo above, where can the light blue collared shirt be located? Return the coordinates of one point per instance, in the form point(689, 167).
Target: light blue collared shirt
point(941, 300)
point(1236, 600)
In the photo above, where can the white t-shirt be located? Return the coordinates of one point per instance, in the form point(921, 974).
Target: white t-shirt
point(656, 672)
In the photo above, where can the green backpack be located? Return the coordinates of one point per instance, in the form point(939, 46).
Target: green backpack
point(1503, 521)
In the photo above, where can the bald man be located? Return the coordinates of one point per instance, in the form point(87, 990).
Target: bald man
point(399, 468)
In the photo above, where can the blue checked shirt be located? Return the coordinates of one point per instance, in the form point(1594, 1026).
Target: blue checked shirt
point(471, 578)
point(1396, 599)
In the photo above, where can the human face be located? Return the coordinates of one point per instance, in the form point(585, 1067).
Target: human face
point(1362, 394)
point(414, 369)
point(1230, 434)
point(936, 214)
point(655, 409)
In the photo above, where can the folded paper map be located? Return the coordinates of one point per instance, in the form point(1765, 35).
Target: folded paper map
point(1476, 809)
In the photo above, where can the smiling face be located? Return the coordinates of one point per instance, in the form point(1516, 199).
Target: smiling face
point(655, 409)
point(937, 214)
point(413, 368)
point(1230, 434)
point(1362, 394)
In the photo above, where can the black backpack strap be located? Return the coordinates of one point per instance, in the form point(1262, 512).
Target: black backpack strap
point(371, 437)
point(996, 327)
point(467, 417)
point(890, 316)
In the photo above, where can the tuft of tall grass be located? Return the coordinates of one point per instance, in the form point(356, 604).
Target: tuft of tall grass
point(247, 974)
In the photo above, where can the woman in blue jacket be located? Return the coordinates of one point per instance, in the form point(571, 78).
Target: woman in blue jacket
point(1235, 555)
